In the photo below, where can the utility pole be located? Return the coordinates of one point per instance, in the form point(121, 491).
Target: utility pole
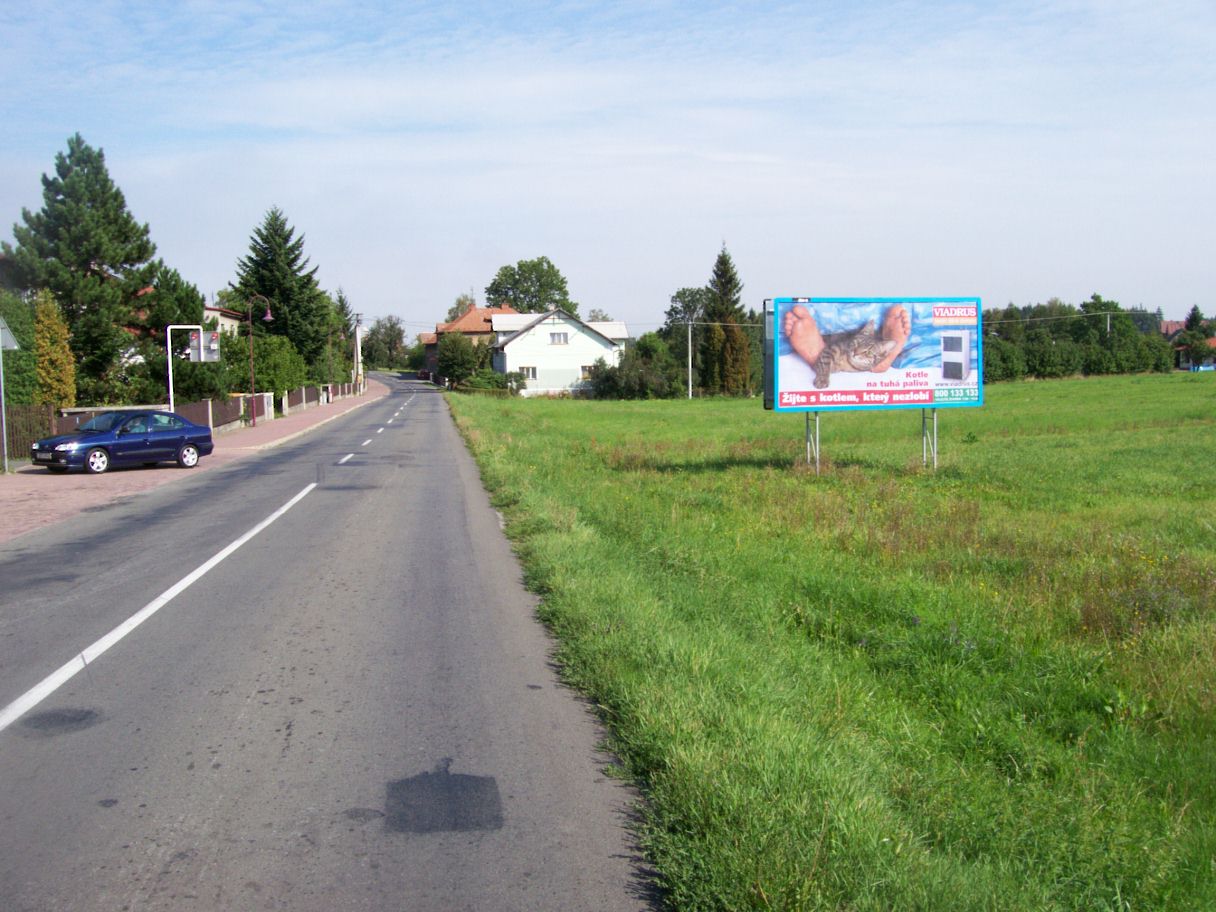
point(688, 324)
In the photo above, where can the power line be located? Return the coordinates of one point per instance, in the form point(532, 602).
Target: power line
point(1102, 313)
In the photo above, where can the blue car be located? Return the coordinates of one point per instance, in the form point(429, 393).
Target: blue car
point(125, 437)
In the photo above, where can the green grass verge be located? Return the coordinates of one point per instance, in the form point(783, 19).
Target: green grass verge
point(989, 687)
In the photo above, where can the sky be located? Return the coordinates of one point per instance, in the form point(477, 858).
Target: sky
point(1015, 151)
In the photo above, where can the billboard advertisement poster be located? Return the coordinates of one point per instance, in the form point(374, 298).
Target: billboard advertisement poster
point(836, 354)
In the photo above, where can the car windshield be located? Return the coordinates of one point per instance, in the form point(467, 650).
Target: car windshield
point(103, 422)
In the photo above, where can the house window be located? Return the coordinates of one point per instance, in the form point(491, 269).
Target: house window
point(586, 371)
point(528, 372)
point(559, 338)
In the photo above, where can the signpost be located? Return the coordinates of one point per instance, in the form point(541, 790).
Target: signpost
point(7, 341)
point(204, 346)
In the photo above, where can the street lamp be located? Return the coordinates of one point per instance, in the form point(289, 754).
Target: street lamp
point(253, 389)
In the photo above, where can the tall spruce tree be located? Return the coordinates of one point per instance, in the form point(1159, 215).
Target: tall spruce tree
point(726, 356)
point(87, 250)
point(277, 269)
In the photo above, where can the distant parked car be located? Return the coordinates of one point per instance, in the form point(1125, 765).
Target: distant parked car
point(125, 437)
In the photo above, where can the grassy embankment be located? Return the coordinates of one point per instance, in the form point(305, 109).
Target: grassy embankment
point(993, 687)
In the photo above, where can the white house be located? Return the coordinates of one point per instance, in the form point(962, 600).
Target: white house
point(554, 351)
point(228, 320)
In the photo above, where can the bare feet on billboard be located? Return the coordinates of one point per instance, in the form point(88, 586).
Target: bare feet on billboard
point(896, 327)
point(802, 331)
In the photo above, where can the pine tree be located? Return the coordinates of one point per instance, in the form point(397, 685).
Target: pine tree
point(56, 385)
point(277, 269)
point(87, 250)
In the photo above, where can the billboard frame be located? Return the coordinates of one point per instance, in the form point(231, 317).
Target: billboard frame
point(960, 320)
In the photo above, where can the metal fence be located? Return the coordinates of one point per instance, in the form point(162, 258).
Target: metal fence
point(25, 424)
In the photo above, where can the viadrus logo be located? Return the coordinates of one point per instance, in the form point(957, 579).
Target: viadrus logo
point(955, 314)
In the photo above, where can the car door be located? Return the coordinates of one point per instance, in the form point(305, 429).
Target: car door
point(131, 442)
point(168, 432)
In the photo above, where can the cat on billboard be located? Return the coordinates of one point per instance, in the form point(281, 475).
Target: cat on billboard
point(859, 353)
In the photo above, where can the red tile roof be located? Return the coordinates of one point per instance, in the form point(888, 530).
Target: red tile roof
point(475, 320)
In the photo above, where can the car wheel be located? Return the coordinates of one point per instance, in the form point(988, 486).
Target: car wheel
point(187, 456)
point(97, 461)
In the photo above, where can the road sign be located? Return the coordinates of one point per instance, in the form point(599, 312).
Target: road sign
point(7, 340)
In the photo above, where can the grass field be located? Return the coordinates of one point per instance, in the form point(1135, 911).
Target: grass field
point(989, 687)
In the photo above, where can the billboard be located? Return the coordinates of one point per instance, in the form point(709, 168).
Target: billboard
point(836, 354)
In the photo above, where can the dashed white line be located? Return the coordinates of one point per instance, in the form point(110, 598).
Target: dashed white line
point(390, 421)
point(365, 442)
point(57, 679)
point(344, 458)
point(379, 430)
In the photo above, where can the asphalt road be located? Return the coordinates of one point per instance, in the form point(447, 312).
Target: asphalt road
point(351, 709)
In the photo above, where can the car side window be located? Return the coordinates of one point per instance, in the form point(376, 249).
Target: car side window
point(165, 423)
point(137, 425)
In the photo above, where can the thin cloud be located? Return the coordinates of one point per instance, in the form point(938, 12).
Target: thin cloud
point(1016, 151)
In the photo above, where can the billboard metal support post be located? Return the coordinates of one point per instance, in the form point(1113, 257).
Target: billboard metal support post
point(812, 441)
point(928, 444)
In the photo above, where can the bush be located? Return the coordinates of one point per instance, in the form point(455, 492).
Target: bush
point(647, 371)
point(1002, 360)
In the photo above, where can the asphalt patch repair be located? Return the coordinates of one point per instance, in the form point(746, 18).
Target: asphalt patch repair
point(443, 802)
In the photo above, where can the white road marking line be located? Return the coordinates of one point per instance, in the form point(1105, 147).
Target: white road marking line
point(57, 679)
point(379, 430)
point(365, 442)
point(344, 458)
point(390, 421)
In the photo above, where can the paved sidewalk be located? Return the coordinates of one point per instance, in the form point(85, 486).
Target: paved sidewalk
point(32, 497)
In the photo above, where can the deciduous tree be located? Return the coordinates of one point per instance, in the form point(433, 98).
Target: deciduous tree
point(457, 357)
point(462, 305)
point(687, 307)
point(531, 286)
point(384, 343)
point(56, 365)
point(20, 365)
